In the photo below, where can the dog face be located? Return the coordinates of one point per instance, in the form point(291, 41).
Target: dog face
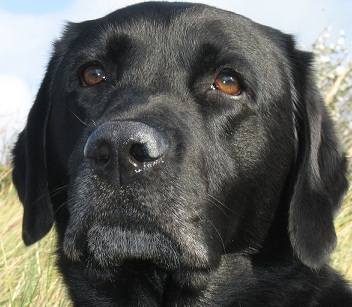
point(173, 134)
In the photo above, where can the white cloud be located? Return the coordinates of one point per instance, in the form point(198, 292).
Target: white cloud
point(16, 97)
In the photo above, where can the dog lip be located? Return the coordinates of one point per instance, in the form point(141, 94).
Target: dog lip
point(106, 245)
point(112, 245)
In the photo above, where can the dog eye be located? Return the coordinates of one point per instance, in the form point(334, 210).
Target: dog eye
point(93, 75)
point(227, 82)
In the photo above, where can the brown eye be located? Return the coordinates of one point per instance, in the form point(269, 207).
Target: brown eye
point(93, 75)
point(227, 82)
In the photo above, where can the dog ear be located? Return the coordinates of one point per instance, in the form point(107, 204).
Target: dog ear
point(319, 173)
point(29, 155)
point(30, 171)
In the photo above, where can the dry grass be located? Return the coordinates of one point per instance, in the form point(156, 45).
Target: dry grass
point(28, 276)
point(342, 257)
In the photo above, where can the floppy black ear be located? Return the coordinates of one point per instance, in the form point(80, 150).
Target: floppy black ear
point(320, 173)
point(29, 154)
point(30, 172)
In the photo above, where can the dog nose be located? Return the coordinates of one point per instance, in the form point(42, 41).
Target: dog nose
point(131, 146)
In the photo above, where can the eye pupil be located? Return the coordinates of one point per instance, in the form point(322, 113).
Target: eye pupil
point(93, 75)
point(228, 83)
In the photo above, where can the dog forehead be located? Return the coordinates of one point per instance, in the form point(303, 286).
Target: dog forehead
point(174, 30)
point(167, 13)
point(171, 23)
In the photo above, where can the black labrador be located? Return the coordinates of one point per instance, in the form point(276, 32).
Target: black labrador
point(187, 159)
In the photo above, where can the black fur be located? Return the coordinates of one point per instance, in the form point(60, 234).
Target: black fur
point(165, 190)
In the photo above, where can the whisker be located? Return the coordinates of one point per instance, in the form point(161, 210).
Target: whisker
point(58, 190)
point(94, 123)
point(52, 193)
point(220, 203)
point(81, 120)
point(217, 231)
point(207, 220)
point(219, 207)
point(60, 207)
point(84, 123)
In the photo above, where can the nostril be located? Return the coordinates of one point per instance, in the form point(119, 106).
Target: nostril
point(140, 153)
point(103, 155)
point(99, 154)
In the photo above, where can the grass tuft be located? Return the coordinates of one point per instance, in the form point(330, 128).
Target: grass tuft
point(28, 275)
point(342, 257)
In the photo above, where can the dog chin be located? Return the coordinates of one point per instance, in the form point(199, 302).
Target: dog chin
point(106, 248)
point(109, 245)
point(112, 250)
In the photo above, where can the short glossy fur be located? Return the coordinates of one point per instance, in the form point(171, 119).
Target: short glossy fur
point(167, 191)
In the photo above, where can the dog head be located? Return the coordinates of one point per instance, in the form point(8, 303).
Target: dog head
point(176, 133)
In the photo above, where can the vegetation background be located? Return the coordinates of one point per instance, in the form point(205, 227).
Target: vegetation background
point(28, 276)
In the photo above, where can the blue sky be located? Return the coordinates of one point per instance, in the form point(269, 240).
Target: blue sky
point(28, 28)
point(33, 7)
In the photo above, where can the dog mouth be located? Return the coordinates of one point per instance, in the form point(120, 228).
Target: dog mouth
point(105, 248)
point(110, 250)
point(109, 245)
